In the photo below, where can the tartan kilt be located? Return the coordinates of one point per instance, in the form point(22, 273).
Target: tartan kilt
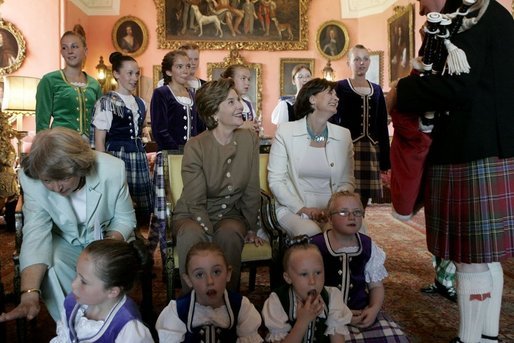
point(159, 188)
point(383, 330)
point(469, 210)
point(367, 170)
point(138, 179)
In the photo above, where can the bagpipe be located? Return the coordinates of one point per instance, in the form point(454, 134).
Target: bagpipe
point(411, 139)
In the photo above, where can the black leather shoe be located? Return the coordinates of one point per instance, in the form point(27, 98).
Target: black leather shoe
point(430, 289)
point(448, 292)
point(456, 340)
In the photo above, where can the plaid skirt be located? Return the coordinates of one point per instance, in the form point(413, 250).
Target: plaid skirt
point(384, 330)
point(469, 210)
point(367, 170)
point(159, 194)
point(140, 186)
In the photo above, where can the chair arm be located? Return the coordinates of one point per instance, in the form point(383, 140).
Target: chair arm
point(18, 224)
point(270, 223)
point(169, 264)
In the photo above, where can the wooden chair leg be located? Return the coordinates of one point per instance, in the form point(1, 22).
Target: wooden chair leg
point(146, 301)
point(252, 277)
point(170, 271)
point(3, 333)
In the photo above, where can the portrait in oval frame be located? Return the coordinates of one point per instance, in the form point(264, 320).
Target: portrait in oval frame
point(12, 48)
point(332, 40)
point(130, 36)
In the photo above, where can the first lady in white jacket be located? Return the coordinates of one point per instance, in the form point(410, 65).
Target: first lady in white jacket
point(309, 160)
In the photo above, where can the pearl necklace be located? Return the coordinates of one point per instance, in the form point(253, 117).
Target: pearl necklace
point(322, 137)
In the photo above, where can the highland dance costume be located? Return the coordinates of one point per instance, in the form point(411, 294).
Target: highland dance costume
point(363, 112)
point(469, 198)
point(174, 122)
point(64, 103)
point(123, 117)
point(122, 324)
point(248, 110)
point(353, 269)
point(279, 314)
point(185, 320)
point(284, 111)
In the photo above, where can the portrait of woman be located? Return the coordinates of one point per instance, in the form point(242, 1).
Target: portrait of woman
point(8, 48)
point(130, 36)
point(129, 43)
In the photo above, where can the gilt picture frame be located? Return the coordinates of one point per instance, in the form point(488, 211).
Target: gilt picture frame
point(12, 49)
point(156, 75)
point(332, 40)
point(375, 72)
point(287, 86)
point(130, 36)
point(400, 30)
point(214, 71)
point(223, 24)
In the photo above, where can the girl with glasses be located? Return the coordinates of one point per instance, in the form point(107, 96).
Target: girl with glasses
point(355, 265)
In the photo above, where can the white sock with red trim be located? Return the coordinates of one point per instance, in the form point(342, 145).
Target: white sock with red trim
point(473, 296)
point(492, 318)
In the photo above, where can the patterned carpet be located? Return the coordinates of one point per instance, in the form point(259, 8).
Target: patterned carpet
point(425, 318)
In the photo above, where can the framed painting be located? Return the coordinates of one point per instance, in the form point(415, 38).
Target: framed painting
point(375, 72)
point(287, 86)
point(400, 29)
point(214, 71)
point(12, 48)
point(227, 24)
point(332, 40)
point(130, 36)
point(157, 75)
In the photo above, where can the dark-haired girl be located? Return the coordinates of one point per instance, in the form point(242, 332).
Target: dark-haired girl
point(118, 121)
point(309, 160)
point(174, 121)
point(98, 309)
point(209, 310)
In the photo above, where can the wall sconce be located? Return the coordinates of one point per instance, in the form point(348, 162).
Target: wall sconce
point(104, 76)
point(101, 71)
point(329, 73)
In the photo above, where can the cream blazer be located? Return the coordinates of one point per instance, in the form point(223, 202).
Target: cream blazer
point(287, 151)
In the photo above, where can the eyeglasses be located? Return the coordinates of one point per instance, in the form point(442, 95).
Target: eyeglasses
point(346, 212)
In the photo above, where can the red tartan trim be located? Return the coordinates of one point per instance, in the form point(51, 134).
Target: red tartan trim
point(479, 297)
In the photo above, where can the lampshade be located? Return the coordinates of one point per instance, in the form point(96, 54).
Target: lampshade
point(20, 94)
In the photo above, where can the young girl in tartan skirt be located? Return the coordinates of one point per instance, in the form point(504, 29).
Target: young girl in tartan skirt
point(355, 265)
point(174, 122)
point(118, 120)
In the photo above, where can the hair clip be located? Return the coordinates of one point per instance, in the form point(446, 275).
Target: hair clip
point(297, 240)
